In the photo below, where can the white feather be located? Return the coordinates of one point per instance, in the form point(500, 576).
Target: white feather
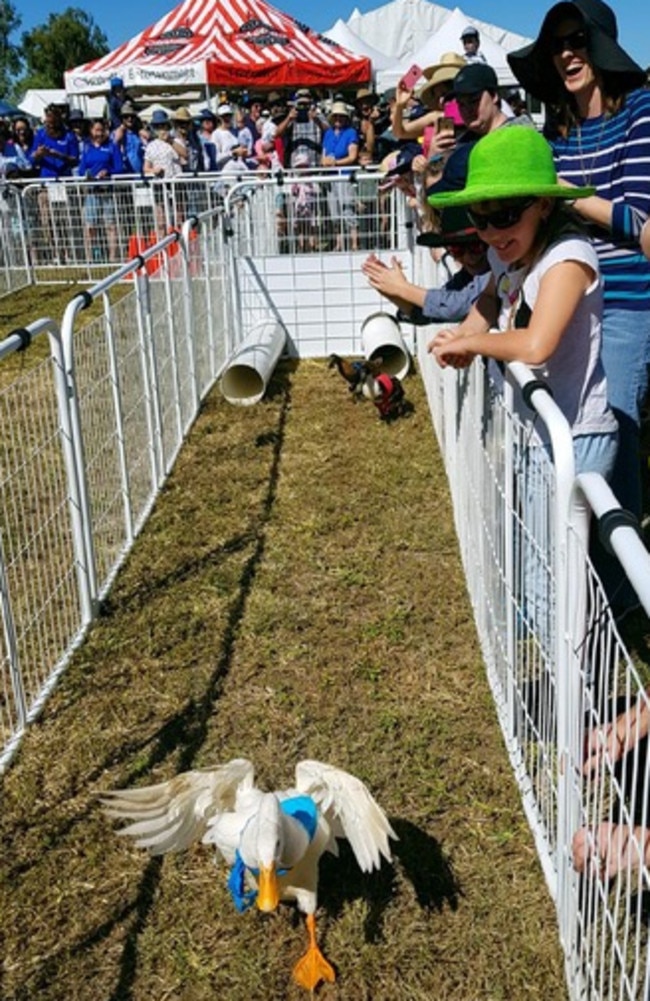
point(221, 806)
point(171, 815)
point(344, 798)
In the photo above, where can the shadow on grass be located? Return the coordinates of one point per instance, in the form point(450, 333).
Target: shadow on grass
point(187, 730)
point(424, 865)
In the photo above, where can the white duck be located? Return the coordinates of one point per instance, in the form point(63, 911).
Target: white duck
point(272, 841)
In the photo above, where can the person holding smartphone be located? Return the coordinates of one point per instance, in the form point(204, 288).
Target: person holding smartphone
point(302, 128)
point(433, 94)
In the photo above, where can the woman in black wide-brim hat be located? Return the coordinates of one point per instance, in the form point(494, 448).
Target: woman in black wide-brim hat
point(601, 136)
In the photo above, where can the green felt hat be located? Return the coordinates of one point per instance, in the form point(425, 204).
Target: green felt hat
point(511, 162)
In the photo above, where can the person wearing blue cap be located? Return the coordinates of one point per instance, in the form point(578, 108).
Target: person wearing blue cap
point(116, 98)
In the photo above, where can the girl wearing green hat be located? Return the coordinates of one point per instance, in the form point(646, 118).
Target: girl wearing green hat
point(543, 303)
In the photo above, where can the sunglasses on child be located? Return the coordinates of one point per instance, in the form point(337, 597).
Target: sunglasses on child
point(470, 247)
point(502, 218)
point(574, 40)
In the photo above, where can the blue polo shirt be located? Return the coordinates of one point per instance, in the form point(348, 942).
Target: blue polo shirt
point(55, 166)
point(97, 158)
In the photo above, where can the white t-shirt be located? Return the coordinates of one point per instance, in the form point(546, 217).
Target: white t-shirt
point(574, 372)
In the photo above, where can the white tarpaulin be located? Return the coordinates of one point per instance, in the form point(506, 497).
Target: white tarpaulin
point(35, 102)
point(343, 34)
point(401, 28)
point(447, 39)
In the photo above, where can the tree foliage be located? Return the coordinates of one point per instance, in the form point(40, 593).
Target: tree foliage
point(10, 59)
point(64, 41)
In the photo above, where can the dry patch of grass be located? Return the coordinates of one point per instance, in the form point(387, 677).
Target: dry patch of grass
point(296, 593)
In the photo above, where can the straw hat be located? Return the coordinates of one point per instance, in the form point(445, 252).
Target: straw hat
point(182, 115)
point(339, 108)
point(509, 163)
point(365, 96)
point(443, 72)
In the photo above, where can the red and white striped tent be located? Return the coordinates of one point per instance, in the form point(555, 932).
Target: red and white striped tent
point(223, 43)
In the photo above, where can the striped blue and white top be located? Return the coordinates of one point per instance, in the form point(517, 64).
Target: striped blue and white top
point(613, 155)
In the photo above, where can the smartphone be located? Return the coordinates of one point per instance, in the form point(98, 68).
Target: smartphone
point(411, 77)
point(445, 124)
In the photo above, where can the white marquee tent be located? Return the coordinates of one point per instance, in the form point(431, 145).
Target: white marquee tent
point(343, 34)
point(447, 39)
point(34, 103)
point(419, 31)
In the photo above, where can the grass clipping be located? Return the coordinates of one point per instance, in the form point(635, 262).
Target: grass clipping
point(296, 593)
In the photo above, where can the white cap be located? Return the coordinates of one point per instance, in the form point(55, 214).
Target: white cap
point(224, 109)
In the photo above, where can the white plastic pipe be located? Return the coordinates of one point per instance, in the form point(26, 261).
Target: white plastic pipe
point(246, 375)
point(381, 337)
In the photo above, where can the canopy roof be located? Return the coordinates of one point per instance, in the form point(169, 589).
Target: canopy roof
point(223, 43)
point(401, 28)
point(446, 38)
point(342, 33)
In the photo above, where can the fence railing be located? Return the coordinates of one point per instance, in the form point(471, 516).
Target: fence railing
point(73, 228)
point(90, 432)
point(572, 704)
point(15, 270)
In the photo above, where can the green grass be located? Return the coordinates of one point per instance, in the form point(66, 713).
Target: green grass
point(296, 593)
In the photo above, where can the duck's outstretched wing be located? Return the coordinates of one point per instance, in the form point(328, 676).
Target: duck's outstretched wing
point(169, 816)
point(343, 798)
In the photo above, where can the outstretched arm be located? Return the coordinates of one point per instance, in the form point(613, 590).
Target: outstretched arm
point(392, 283)
point(560, 291)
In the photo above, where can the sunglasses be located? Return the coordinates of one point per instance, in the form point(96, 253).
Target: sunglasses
point(503, 218)
point(472, 247)
point(574, 40)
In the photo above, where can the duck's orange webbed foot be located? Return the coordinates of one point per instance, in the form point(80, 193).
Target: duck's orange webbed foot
point(312, 967)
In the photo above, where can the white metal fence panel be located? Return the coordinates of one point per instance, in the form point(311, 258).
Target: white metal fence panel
point(89, 436)
point(43, 577)
point(15, 272)
point(315, 286)
point(573, 706)
point(83, 229)
point(605, 907)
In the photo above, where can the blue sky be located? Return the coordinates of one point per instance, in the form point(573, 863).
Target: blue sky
point(120, 19)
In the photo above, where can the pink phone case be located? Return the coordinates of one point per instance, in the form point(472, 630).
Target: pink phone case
point(411, 77)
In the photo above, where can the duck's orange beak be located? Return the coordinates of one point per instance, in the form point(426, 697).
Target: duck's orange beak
point(268, 891)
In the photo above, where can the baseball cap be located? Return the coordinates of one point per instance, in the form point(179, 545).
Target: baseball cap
point(474, 79)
